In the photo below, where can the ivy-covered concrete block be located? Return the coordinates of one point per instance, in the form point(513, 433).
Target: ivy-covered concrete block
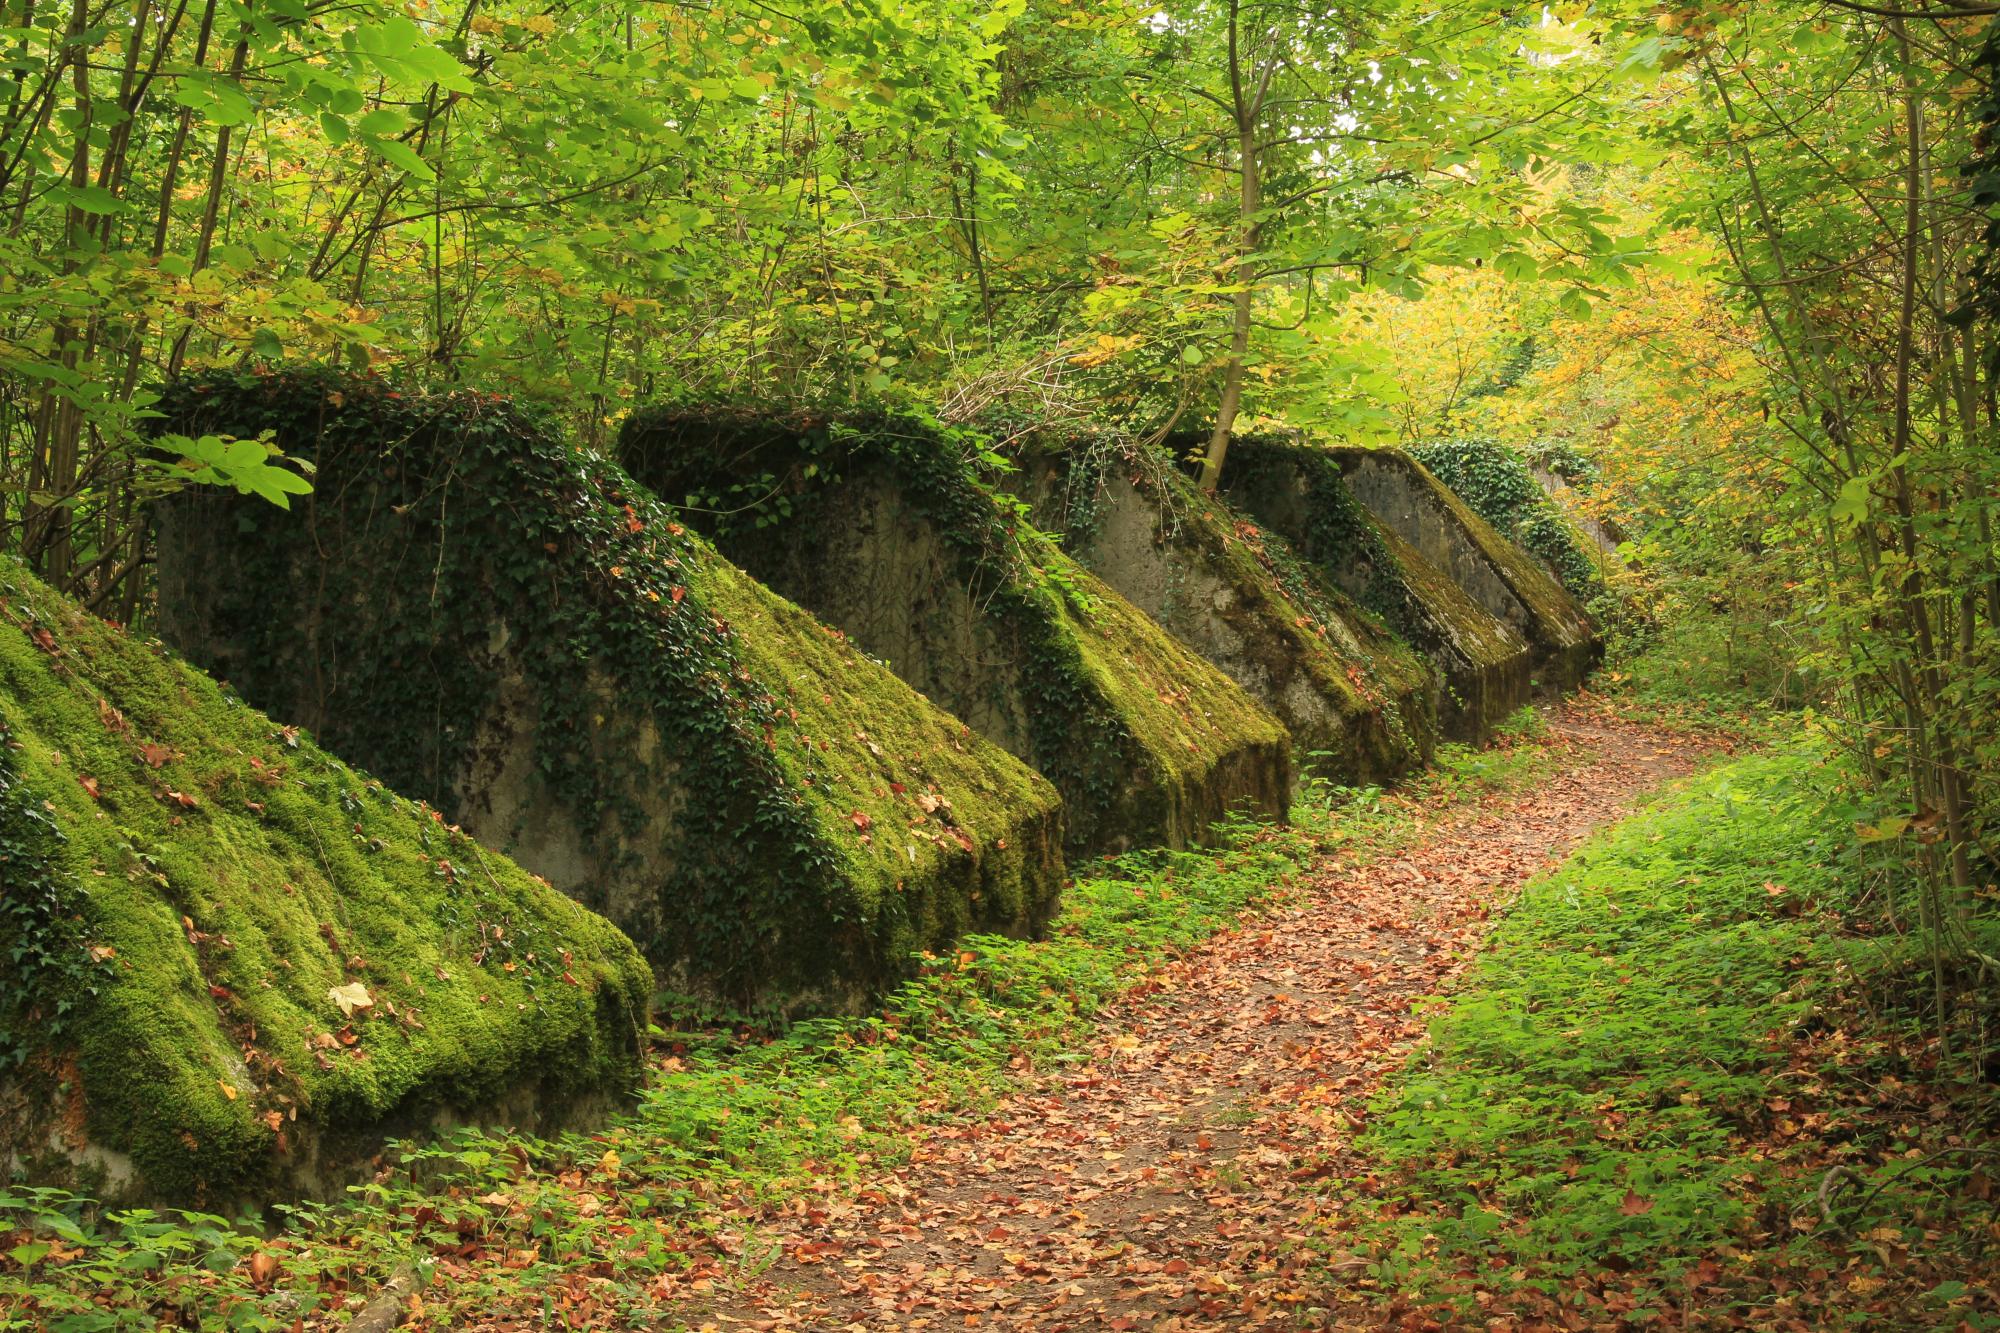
point(1501, 576)
point(1519, 500)
point(511, 627)
point(1361, 704)
point(230, 965)
point(1299, 491)
point(883, 526)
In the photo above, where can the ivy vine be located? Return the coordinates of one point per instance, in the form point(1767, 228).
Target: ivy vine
point(50, 973)
point(1496, 482)
point(745, 475)
point(437, 519)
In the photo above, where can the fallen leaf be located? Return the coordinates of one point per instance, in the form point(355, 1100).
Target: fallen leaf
point(354, 995)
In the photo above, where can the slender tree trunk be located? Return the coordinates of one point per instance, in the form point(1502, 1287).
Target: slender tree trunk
point(1247, 105)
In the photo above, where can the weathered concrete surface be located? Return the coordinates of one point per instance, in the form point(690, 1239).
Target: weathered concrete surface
point(1298, 492)
point(1505, 579)
point(210, 889)
point(522, 634)
point(1361, 705)
point(1602, 534)
point(882, 527)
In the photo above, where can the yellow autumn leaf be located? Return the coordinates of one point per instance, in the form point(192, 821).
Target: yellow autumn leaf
point(351, 997)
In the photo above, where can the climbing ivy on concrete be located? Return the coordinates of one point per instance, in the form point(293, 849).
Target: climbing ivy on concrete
point(44, 947)
point(453, 519)
point(763, 486)
point(1496, 482)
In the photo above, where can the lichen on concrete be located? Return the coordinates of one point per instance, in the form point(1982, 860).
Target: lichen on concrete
point(517, 629)
point(1360, 704)
point(219, 883)
point(883, 525)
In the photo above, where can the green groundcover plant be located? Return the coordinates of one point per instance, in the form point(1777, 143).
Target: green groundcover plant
point(1690, 1073)
point(733, 1120)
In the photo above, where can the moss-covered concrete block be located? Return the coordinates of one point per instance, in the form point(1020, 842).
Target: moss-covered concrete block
point(1361, 704)
point(1498, 574)
point(1520, 500)
point(230, 965)
point(1298, 491)
point(884, 527)
point(514, 629)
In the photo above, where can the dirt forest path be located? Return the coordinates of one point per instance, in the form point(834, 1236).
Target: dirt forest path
point(1163, 1185)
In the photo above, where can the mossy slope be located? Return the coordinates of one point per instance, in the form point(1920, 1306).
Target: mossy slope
point(1298, 491)
point(518, 630)
point(1501, 576)
point(1360, 704)
point(202, 879)
point(882, 525)
point(1501, 487)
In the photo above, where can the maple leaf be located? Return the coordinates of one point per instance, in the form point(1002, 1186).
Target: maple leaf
point(1635, 1206)
point(862, 820)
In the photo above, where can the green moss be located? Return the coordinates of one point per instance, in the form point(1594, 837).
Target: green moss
point(929, 864)
point(1496, 482)
point(1396, 581)
point(467, 583)
point(1299, 490)
point(1557, 623)
point(1188, 718)
point(226, 874)
point(1374, 716)
point(1145, 741)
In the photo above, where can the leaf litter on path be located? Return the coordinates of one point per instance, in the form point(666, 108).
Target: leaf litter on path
point(1168, 1184)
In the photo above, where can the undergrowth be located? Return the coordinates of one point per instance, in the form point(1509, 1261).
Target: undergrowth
point(1690, 1086)
point(602, 1228)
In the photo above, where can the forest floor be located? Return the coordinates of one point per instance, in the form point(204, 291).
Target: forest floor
point(1167, 1182)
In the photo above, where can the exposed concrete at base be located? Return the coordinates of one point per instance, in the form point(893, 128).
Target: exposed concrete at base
point(881, 526)
point(516, 629)
point(1360, 704)
point(1502, 577)
point(1297, 491)
point(215, 879)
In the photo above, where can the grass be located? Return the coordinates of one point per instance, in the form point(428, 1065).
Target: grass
point(1632, 1110)
point(734, 1119)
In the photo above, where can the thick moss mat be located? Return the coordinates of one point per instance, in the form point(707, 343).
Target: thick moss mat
point(229, 964)
point(884, 526)
point(1299, 491)
point(1501, 576)
point(517, 631)
point(1361, 705)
